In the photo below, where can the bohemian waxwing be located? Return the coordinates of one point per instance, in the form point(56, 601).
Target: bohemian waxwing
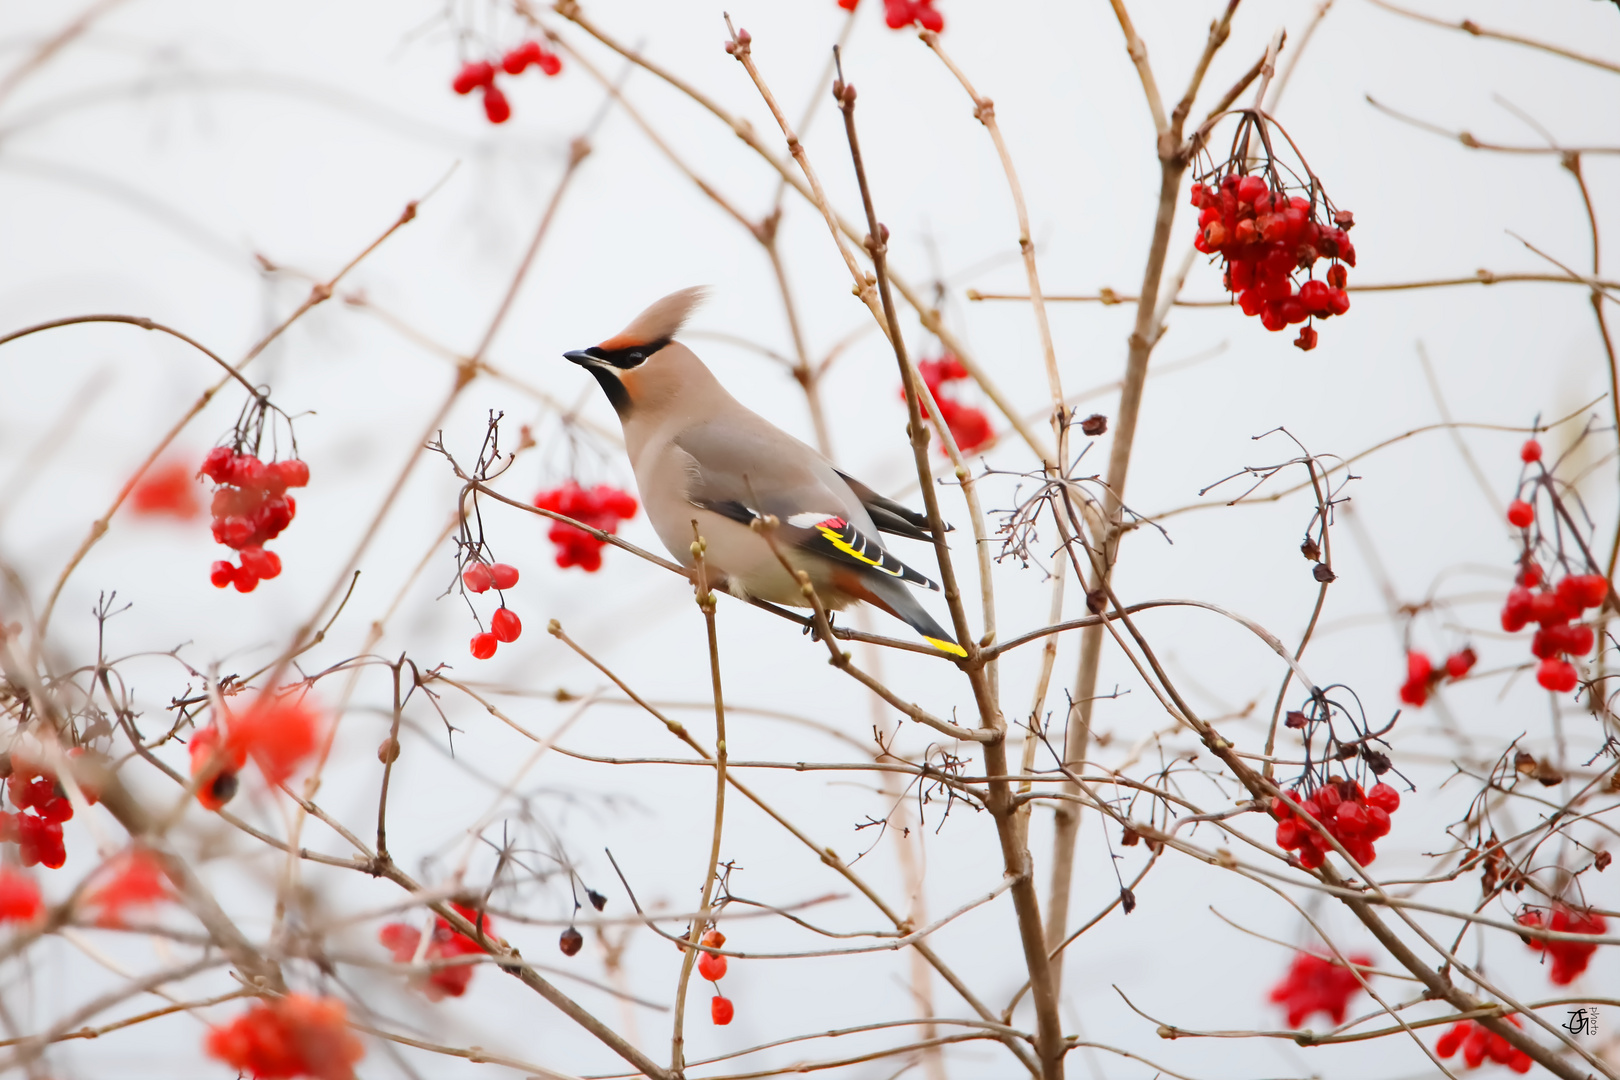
point(700, 455)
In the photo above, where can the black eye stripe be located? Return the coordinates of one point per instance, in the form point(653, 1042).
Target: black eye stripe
point(625, 359)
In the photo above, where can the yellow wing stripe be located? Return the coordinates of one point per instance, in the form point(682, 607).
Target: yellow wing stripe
point(946, 646)
point(836, 539)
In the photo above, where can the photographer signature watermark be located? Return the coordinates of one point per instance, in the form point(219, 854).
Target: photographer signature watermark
point(1582, 1021)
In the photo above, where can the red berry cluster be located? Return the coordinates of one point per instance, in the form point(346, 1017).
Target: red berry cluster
point(1264, 236)
point(289, 1037)
point(251, 507)
point(278, 731)
point(1316, 984)
point(403, 941)
point(713, 968)
point(1352, 817)
point(480, 75)
point(20, 900)
point(969, 426)
point(601, 507)
point(1478, 1043)
point(168, 489)
point(1569, 958)
point(504, 625)
point(133, 879)
point(1422, 676)
point(1554, 607)
point(900, 14)
point(42, 807)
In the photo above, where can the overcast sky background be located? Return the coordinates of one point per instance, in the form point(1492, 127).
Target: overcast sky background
point(146, 167)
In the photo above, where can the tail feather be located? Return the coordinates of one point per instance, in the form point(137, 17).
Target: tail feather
point(895, 598)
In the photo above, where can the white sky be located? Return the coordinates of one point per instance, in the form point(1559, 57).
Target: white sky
point(145, 166)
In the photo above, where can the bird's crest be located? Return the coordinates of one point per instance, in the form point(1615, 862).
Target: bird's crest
point(660, 322)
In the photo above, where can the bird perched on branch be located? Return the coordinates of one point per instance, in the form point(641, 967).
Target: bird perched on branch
point(700, 455)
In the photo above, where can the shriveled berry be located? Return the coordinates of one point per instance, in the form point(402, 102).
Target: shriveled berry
point(571, 941)
point(483, 646)
point(1307, 339)
point(506, 625)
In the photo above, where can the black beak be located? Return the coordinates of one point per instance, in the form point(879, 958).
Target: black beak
point(582, 356)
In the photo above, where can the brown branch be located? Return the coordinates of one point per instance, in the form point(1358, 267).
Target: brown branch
point(1468, 26)
point(1107, 297)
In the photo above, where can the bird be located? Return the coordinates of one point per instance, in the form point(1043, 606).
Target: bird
point(700, 455)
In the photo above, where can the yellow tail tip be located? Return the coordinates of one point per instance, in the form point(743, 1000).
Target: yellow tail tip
point(947, 646)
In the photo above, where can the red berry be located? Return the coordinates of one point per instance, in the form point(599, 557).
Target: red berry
point(515, 61)
point(550, 63)
point(496, 107)
point(1384, 798)
point(1520, 514)
point(244, 579)
point(570, 941)
point(1548, 606)
point(1251, 188)
point(503, 575)
point(1556, 675)
point(291, 473)
point(712, 967)
point(714, 939)
point(222, 573)
point(720, 1009)
point(1530, 451)
point(483, 646)
point(1307, 339)
point(1588, 590)
point(1337, 276)
point(260, 563)
point(506, 625)
point(217, 464)
point(1460, 663)
point(474, 74)
point(1530, 576)
point(477, 577)
point(1517, 610)
point(1316, 984)
point(19, 897)
point(237, 531)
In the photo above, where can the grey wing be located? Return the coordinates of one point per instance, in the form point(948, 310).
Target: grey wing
point(742, 472)
point(745, 470)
